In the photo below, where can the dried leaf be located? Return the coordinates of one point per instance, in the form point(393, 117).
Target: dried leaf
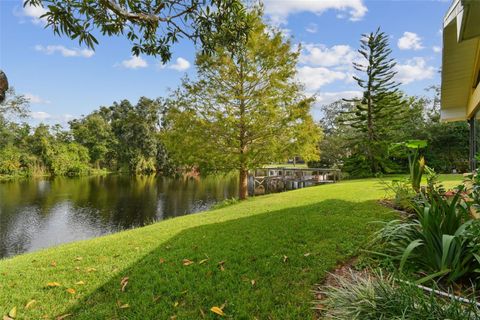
point(175, 304)
point(91, 269)
point(71, 291)
point(30, 303)
point(63, 316)
point(80, 283)
point(217, 310)
point(123, 283)
point(13, 313)
point(162, 260)
point(187, 262)
point(203, 261)
point(53, 284)
point(285, 258)
point(53, 263)
point(220, 265)
point(122, 305)
point(307, 254)
point(7, 318)
point(253, 282)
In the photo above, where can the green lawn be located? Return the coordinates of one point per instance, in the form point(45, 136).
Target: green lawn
point(259, 258)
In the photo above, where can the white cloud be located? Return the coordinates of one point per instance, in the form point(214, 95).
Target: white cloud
point(437, 49)
point(134, 62)
point(278, 11)
point(312, 28)
point(180, 64)
point(410, 41)
point(34, 13)
point(36, 99)
point(335, 56)
point(330, 97)
point(42, 116)
point(316, 77)
point(414, 70)
point(66, 52)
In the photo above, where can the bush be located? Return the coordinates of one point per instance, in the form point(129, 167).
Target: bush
point(437, 239)
point(364, 297)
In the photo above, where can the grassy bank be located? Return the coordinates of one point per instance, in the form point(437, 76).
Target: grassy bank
point(259, 258)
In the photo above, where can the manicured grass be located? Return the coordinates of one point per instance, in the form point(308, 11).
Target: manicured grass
point(260, 258)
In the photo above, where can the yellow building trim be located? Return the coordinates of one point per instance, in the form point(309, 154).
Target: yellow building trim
point(474, 99)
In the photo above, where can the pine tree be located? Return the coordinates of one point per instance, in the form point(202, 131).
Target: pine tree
point(380, 110)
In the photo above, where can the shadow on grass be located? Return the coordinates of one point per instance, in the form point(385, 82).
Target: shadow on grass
point(262, 266)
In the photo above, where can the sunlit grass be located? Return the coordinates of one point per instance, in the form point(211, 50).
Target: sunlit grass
point(259, 258)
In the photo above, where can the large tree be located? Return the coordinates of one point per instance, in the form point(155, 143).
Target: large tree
point(244, 109)
point(381, 108)
point(151, 26)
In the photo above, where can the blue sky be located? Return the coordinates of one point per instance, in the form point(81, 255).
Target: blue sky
point(64, 80)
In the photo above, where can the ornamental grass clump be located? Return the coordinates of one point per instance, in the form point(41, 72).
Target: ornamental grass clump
point(376, 296)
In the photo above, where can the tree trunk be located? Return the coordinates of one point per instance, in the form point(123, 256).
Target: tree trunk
point(243, 184)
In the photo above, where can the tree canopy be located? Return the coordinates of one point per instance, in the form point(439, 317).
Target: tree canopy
point(151, 26)
point(244, 109)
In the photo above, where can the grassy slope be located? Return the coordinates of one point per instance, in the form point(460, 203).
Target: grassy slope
point(253, 237)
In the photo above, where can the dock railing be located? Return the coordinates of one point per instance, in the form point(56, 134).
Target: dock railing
point(276, 179)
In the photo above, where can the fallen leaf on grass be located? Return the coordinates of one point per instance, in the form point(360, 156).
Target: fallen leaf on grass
point(187, 262)
point(80, 283)
point(175, 304)
point(203, 261)
point(122, 305)
point(71, 291)
point(307, 254)
point(162, 260)
point(78, 258)
point(91, 269)
point(217, 310)
point(123, 284)
point(63, 316)
point(30, 303)
point(253, 282)
point(285, 258)
point(220, 265)
point(13, 313)
point(53, 263)
point(7, 318)
point(53, 284)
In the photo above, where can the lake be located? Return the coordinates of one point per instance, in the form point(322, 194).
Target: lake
point(40, 213)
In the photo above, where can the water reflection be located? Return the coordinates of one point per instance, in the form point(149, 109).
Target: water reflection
point(39, 213)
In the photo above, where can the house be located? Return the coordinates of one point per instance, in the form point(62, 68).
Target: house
point(460, 90)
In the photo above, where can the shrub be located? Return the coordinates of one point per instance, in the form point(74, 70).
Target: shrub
point(437, 239)
point(363, 297)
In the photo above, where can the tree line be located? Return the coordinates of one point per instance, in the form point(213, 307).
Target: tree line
point(359, 133)
point(244, 108)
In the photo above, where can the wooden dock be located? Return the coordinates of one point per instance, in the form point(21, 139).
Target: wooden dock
point(276, 179)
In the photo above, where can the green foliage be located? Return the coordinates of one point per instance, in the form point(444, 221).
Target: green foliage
point(244, 109)
point(10, 160)
point(435, 239)
point(416, 162)
point(225, 203)
point(151, 26)
point(372, 297)
point(379, 112)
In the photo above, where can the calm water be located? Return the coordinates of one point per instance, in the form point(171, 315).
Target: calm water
point(39, 213)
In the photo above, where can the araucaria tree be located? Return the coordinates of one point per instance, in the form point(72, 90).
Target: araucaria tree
point(380, 110)
point(244, 110)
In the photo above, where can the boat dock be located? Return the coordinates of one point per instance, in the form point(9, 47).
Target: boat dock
point(276, 179)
